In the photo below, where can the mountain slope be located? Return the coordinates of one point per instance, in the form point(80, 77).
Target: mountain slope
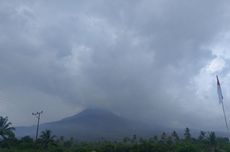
point(90, 124)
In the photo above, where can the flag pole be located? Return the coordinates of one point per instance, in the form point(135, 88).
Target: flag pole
point(225, 116)
point(221, 98)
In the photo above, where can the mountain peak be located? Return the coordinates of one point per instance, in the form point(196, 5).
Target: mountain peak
point(93, 113)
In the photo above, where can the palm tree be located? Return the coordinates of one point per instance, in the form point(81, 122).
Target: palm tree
point(6, 129)
point(202, 135)
point(46, 139)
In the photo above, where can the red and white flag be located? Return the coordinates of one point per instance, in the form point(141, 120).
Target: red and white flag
point(219, 92)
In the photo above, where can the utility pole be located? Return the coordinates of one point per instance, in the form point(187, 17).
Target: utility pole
point(37, 115)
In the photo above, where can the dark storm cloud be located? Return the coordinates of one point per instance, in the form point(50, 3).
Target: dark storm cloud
point(142, 59)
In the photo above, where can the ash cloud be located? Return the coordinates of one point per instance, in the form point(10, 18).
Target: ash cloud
point(146, 60)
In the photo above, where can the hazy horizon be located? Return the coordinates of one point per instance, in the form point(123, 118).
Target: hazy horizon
point(147, 60)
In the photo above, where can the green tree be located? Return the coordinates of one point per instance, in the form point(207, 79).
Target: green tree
point(202, 135)
point(46, 139)
point(126, 139)
point(163, 137)
point(175, 136)
point(134, 139)
point(212, 140)
point(187, 135)
point(6, 129)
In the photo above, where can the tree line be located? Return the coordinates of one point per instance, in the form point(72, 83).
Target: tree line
point(166, 142)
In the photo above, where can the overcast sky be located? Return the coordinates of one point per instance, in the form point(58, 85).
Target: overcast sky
point(149, 60)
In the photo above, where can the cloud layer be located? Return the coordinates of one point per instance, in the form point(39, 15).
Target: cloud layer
point(153, 61)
